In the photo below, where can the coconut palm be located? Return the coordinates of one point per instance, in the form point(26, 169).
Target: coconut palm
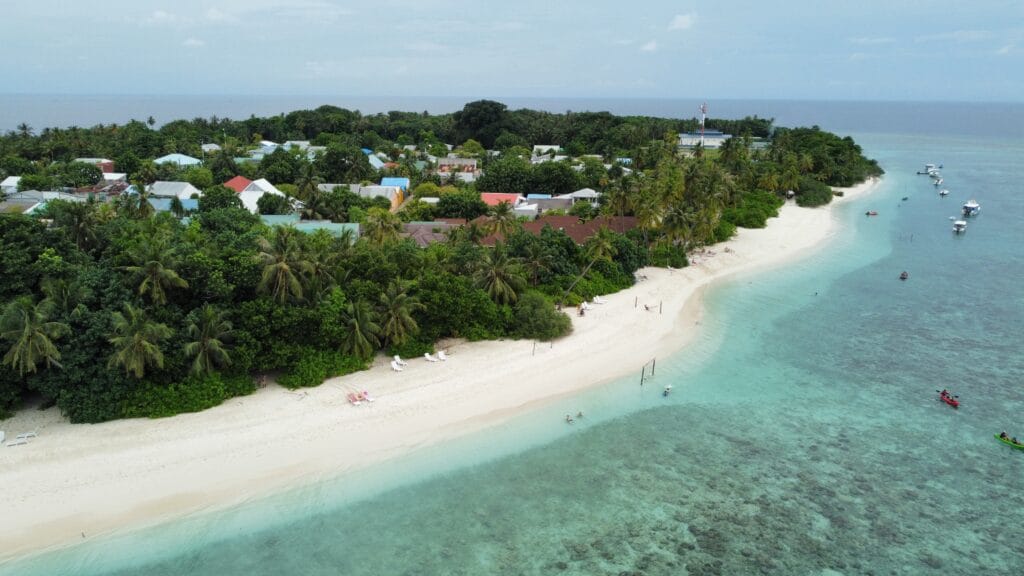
point(208, 330)
point(78, 220)
point(27, 327)
point(136, 341)
point(501, 276)
point(397, 307)
point(503, 220)
point(535, 261)
point(599, 247)
point(283, 265)
point(65, 296)
point(153, 262)
point(381, 226)
point(363, 331)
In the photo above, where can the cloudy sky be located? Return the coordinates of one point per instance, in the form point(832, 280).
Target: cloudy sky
point(792, 49)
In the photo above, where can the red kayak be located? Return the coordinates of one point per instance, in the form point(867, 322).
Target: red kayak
point(949, 399)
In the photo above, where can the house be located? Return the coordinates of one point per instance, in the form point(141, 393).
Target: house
point(583, 195)
point(10, 184)
point(578, 230)
point(495, 198)
point(375, 162)
point(20, 206)
point(267, 147)
point(544, 149)
point(526, 210)
point(335, 229)
point(426, 233)
point(402, 183)
point(104, 164)
point(209, 148)
point(179, 190)
point(711, 138)
point(393, 193)
point(182, 160)
point(238, 183)
point(114, 178)
point(251, 194)
point(300, 144)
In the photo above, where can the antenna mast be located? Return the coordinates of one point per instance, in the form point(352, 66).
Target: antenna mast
point(703, 117)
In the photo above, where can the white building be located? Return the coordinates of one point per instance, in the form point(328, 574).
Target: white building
point(179, 190)
point(252, 193)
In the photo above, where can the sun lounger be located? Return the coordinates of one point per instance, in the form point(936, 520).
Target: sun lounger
point(429, 357)
point(31, 434)
point(599, 300)
point(354, 399)
point(18, 442)
point(399, 361)
point(442, 356)
point(395, 366)
point(364, 395)
point(2, 436)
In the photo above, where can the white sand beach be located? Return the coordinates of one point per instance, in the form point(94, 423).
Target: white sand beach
point(93, 479)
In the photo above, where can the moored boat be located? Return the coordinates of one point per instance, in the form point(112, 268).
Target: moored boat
point(971, 208)
point(959, 227)
point(939, 182)
point(943, 192)
point(904, 275)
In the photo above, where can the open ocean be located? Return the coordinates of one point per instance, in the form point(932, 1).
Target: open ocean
point(804, 434)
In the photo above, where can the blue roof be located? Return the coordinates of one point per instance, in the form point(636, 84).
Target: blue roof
point(279, 219)
point(402, 183)
point(367, 151)
point(538, 196)
point(377, 163)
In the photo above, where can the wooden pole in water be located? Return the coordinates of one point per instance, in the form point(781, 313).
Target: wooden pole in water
point(654, 362)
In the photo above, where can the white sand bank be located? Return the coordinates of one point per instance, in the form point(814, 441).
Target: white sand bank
point(97, 478)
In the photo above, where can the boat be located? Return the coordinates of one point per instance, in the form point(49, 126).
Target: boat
point(939, 182)
point(904, 275)
point(905, 198)
point(1009, 442)
point(871, 213)
point(971, 208)
point(949, 399)
point(959, 226)
point(943, 192)
point(929, 168)
point(935, 174)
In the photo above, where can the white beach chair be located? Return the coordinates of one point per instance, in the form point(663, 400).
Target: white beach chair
point(442, 356)
point(2, 436)
point(18, 442)
point(28, 435)
point(396, 366)
point(399, 361)
point(366, 396)
point(429, 357)
point(599, 300)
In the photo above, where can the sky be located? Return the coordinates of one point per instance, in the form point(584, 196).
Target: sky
point(946, 50)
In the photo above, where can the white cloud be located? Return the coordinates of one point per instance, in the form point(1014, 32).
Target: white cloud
point(161, 17)
point(216, 15)
point(958, 36)
point(193, 43)
point(683, 21)
point(867, 41)
point(651, 46)
point(623, 42)
point(1005, 50)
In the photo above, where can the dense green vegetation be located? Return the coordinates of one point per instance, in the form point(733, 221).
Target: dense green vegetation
point(111, 310)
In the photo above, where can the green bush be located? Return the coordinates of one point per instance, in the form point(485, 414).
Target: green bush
point(754, 210)
point(536, 318)
point(813, 193)
point(724, 230)
point(313, 366)
point(411, 348)
point(666, 254)
point(192, 395)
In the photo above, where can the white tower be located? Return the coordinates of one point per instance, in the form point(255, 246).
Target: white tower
point(703, 117)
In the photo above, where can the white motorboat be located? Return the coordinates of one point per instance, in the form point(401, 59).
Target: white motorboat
point(938, 182)
point(943, 192)
point(929, 168)
point(959, 227)
point(971, 208)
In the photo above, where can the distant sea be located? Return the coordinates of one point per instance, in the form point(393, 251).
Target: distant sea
point(804, 434)
point(935, 118)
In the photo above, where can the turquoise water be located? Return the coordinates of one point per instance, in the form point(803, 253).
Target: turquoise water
point(804, 434)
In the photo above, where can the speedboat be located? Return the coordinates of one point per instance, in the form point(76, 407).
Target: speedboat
point(960, 226)
point(939, 182)
point(943, 192)
point(971, 208)
point(934, 174)
point(929, 168)
point(871, 213)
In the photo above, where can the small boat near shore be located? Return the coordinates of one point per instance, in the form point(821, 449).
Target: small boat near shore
point(971, 208)
point(939, 182)
point(949, 399)
point(929, 168)
point(904, 275)
point(959, 226)
point(943, 192)
point(871, 213)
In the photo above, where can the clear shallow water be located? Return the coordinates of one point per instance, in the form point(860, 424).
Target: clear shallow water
point(804, 434)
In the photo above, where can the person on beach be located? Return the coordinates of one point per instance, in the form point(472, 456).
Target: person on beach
point(568, 418)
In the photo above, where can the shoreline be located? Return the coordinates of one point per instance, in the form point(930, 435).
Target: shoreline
point(116, 476)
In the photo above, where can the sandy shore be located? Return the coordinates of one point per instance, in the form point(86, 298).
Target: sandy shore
point(93, 479)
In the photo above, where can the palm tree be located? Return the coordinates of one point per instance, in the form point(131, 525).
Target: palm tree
point(283, 265)
point(501, 276)
point(381, 226)
point(535, 261)
point(64, 296)
point(396, 313)
point(208, 334)
point(31, 333)
point(599, 247)
point(323, 258)
point(78, 221)
point(363, 330)
point(308, 182)
point(136, 341)
point(153, 262)
point(503, 220)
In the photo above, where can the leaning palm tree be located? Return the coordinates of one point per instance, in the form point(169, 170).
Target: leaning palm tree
point(381, 226)
point(363, 331)
point(136, 341)
point(153, 261)
point(283, 265)
point(27, 327)
point(501, 276)
point(208, 331)
point(599, 247)
point(397, 307)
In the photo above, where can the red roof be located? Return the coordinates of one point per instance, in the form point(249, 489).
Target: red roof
point(495, 198)
point(577, 230)
point(238, 183)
